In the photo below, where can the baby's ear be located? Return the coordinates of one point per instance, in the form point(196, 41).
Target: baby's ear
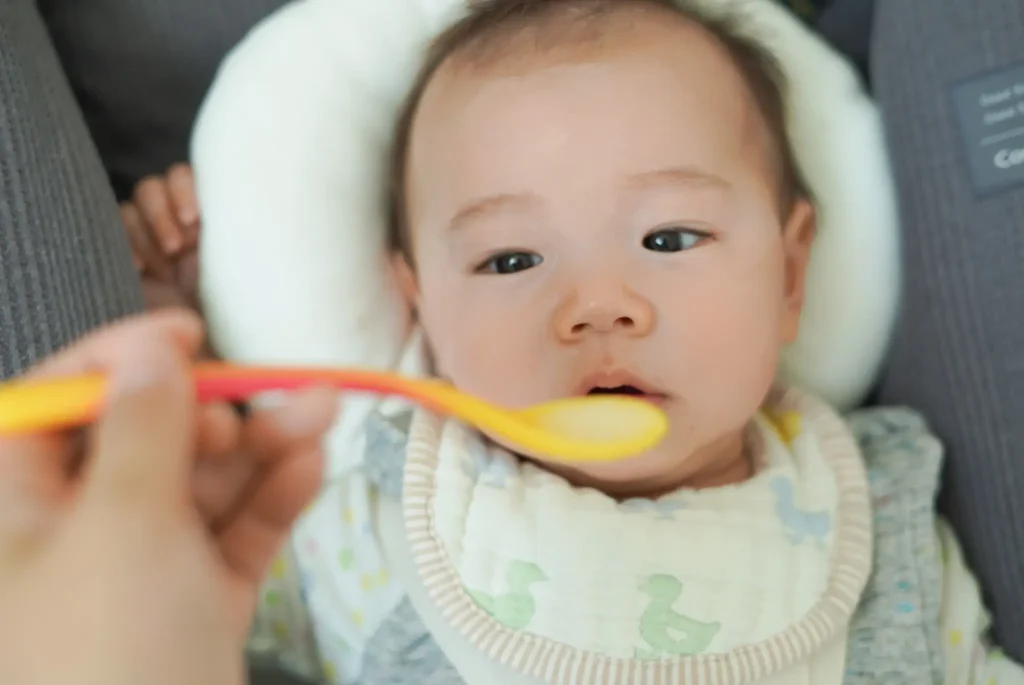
point(797, 239)
point(406, 278)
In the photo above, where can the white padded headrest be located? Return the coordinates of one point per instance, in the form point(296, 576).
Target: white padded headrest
point(290, 150)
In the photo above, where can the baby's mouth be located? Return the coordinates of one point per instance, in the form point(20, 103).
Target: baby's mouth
point(620, 383)
point(617, 390)
point(631, 391)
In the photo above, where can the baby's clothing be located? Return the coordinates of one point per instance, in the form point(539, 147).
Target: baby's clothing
point(441, 559)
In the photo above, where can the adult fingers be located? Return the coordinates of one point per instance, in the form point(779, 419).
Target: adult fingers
point(231, 460)
point(271, 435)
point(254, 536)
point(222, 473)
point(143, 450)
point(286, 442)
point(34, 469)
point(303, 417)
point(33, 484)
point(218, 431)
point(218, 484)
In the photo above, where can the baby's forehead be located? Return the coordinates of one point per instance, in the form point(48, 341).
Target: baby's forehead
point(630, 31)
point(673, 57)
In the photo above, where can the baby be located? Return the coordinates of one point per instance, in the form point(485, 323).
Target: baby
point(597, 196)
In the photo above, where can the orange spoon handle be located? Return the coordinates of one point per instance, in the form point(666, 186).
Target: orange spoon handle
point(54, 404)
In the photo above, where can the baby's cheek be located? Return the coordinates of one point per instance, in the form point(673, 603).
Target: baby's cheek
point(502, 374)
point(729, 355)
point(478, 356)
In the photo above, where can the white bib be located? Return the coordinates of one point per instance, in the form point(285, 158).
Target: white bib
point(567, 585)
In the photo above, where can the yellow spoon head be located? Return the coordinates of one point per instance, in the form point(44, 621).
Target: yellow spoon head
point(597, 428)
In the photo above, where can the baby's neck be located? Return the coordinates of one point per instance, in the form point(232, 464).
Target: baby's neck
point(725, 462)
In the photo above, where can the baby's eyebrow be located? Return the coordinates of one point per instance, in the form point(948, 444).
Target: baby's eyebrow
point(492, 204)
point(526, 201)
point(678, 175)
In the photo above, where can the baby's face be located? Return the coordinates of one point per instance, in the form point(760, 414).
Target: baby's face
point(609, 220)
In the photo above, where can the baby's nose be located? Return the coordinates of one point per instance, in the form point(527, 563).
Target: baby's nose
point(605, 311)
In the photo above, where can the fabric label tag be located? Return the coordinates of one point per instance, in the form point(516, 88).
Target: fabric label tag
point(990, 110)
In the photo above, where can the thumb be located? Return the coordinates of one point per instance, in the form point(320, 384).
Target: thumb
point(141, 452)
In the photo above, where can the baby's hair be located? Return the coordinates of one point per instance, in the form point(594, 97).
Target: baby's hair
point(483, 36)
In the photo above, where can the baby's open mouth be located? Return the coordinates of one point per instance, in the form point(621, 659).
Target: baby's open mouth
point(621, 384)
point(617, 390)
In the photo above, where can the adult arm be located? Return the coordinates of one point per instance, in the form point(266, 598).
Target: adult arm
point(65, 264)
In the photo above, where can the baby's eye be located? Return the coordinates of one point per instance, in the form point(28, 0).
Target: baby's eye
point(510, 263)
point(674, 239)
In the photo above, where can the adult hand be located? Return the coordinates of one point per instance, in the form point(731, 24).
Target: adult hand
point(131, 552)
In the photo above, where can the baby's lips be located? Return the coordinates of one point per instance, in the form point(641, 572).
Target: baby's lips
point(626, 381)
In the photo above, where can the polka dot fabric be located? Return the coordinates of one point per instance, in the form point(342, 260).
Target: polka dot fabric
point(330, 590)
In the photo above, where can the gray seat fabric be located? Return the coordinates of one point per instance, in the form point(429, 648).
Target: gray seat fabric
point(140, 69)
point(958, 355)
point(846, 24)
point(65, 266)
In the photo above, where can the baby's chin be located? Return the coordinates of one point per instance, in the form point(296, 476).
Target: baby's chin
point(671, 466)
point(651, 474)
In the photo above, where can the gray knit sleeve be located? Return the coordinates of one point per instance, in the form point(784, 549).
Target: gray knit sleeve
point(65, 265)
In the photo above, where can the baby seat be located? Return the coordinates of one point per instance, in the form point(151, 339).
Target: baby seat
point(290, 150)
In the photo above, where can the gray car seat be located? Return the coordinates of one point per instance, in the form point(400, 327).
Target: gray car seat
point(950, 78)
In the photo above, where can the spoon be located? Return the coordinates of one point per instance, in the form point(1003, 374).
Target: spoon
point(575, 429)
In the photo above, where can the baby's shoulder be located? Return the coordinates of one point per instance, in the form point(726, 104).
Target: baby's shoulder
point(894, 636)
point(386, 438)
point(885, 427)
point(899, 448)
